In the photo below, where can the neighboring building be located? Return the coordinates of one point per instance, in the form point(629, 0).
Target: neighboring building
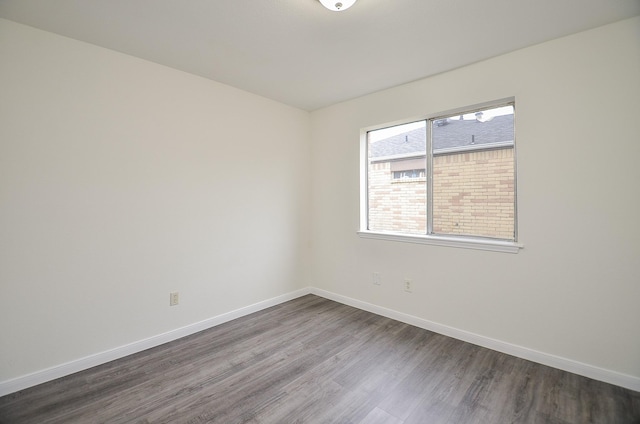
point(473, 179)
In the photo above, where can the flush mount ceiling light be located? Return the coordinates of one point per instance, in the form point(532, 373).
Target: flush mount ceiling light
point(337, 5)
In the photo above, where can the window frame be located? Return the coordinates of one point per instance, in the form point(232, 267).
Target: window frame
point(449, 240)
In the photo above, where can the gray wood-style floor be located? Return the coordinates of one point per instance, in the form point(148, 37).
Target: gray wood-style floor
point(312, 360)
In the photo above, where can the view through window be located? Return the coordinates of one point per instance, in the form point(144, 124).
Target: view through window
point(453, 175)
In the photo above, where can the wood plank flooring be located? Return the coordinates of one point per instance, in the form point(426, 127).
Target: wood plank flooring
point(312, 360)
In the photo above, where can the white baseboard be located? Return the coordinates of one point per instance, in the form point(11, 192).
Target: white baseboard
point(39, 377)
point(586, 370)
point(596, 373)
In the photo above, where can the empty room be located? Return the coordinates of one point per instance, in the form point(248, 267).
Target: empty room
point(315, 211)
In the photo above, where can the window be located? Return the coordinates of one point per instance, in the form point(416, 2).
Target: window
point(450, 179)
point(412, 173)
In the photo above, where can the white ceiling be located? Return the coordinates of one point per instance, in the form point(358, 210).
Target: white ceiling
point(299, 53)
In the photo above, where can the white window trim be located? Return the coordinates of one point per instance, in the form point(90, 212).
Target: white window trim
point(477, 243)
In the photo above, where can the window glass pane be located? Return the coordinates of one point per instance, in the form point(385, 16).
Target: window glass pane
point(396, 186)
point(412, 173)
point(474, 175)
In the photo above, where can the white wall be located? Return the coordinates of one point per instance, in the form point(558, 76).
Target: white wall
point(122, 180)
point(574, 290)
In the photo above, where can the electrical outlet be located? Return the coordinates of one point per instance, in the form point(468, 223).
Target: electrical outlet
point(408, 285)
point(377, 279)
point(174, 298)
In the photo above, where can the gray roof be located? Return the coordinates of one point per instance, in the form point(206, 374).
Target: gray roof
point(447, 134)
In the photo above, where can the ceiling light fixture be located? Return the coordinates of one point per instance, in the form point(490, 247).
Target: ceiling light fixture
point(337, 5)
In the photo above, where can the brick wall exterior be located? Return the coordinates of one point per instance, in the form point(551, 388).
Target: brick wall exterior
point(397, 206)
point(473, 195)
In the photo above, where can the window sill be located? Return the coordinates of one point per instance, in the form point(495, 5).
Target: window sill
point(408, 180)
point(460, 242)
